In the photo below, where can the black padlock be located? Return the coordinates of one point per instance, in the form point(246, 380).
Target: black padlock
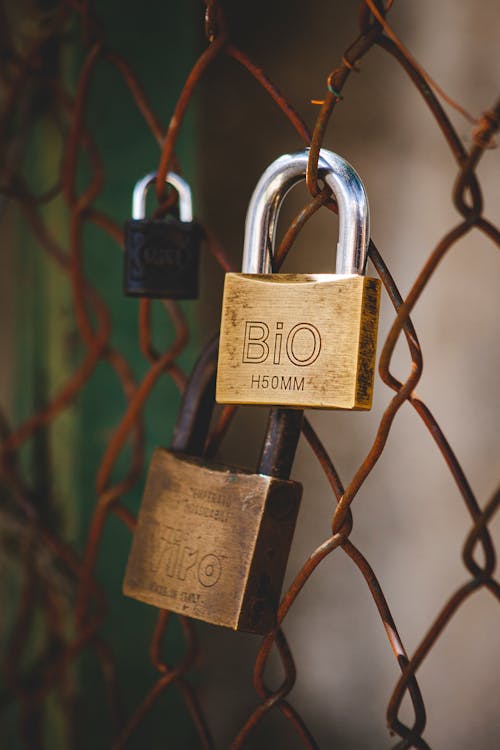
point(161, 255)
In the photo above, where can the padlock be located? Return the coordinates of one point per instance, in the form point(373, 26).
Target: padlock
point(161, 255)
point(212, 541)
point(301, 340)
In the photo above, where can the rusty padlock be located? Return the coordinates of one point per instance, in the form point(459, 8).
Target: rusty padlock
point(161, 255)
point(301, 340)
point(212, 541)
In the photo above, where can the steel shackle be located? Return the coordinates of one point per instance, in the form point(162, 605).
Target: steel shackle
point(270, 191)
point(183, 190)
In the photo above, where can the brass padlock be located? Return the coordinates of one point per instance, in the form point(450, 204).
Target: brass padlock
point(301, 340)
point(212, 541)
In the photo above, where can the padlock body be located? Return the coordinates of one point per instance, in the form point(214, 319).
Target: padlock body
point(304, 341)
point(212, 542)
point(161, 258)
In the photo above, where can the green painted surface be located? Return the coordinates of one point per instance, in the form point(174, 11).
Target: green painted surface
point(160, 46)
point(160, 43)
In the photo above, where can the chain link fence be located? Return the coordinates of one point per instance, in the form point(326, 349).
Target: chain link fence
point(58, 583)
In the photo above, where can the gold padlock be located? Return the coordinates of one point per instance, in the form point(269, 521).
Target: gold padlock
point(301, 340)
point(212, 541)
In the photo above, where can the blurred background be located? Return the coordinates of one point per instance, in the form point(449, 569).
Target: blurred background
point(409, 519)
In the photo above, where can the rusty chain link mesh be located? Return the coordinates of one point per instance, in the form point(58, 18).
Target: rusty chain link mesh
point(60, 651)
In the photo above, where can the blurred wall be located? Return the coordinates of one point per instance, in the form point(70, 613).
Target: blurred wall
point(409, 519)
point(40, 350)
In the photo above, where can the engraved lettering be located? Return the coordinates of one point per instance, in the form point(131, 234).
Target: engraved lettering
point(278, 382)
point(298, 385)
point(168, 543)
point(156, 588)
point(182, 561)
point(167, 250)
point(200, 510)
point(190, 597)
point(209, 570)
point(161, 257)
point(277, 344)
point(302, 347)
point(255, 381)
point(157, 548)
point(255, 347)
point(188, 560)
point(170, 558)
point(215, 498)
point(303, 344)
point(175, 535)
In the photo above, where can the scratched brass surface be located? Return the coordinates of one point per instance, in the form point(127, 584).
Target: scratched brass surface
point(212, 542)
point(298, 340)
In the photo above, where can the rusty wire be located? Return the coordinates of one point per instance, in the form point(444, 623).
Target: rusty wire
point(30, 689)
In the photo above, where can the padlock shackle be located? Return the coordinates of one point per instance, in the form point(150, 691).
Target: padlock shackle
point(278, 179)
point(183, 191)
point(283, 431)
point(195, 413)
